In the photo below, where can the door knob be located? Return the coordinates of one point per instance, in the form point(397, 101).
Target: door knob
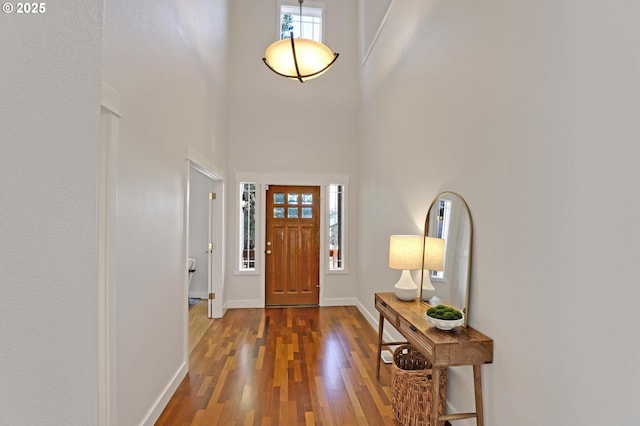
point(268, 251)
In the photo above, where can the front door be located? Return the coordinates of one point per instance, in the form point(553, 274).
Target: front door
point(292, 249)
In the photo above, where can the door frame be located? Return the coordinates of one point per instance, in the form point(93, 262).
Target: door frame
point(301, 179)
point(200, 163)
point(109, 126)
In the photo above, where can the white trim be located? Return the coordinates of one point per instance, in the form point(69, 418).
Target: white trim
point(239, 246)
point(378, 32)
point(373, 320)
point(110, 99)
point(244, 304)
point(159, 405)
point(219, 241)
point(201, 163)
point(340, 301)
point(109, 127)
point(345, 231)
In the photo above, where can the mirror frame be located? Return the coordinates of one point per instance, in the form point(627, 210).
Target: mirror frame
point(426, 233)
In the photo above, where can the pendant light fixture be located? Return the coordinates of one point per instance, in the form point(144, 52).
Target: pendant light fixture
point(300, 59)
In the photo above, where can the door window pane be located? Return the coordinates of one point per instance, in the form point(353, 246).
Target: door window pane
point(292, 198)
point(278, 198)
point(293, 212)
point(278, 212)
point(307, 213)
point(307, 198)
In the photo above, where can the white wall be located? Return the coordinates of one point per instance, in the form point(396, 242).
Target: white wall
point(49, 139)
point(281, 126)
point(529, 110)
point(167, 60)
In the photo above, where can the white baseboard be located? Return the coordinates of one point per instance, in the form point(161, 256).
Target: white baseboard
point(344, 301)
point(247, 303)
point(374, 321)
point(162, 401)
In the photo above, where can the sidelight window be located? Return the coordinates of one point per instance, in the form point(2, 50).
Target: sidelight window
point(336, 227)
point(248, 226)
point(296, 206)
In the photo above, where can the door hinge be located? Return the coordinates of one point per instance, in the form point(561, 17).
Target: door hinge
point(212, 296)
point(212, 195)
point(212, 246)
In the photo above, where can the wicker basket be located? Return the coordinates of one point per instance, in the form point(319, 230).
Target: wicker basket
point(411, 387)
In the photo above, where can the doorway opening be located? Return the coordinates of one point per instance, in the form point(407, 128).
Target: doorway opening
point(203, 249)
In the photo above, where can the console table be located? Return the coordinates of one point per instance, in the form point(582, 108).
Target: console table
point(460, 346)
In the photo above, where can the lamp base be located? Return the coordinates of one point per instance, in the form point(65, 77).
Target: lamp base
point(427, 294)
point(428, 291)
point(406, 294)
point(405, 288)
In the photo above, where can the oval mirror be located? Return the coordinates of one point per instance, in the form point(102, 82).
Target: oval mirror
point(446, 271)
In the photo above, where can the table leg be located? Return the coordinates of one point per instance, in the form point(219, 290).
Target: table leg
point(477, 384)
point(435, 395)
point(380, 331)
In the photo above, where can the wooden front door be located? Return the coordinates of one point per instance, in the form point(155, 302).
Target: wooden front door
point(292, 249)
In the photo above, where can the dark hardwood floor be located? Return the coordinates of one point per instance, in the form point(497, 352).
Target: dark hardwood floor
point(284, 366)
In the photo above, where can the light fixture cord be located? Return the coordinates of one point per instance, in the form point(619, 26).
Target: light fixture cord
point(300, 19)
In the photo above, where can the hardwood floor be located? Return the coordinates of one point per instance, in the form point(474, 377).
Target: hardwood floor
point(199, 323)
point(284, 366)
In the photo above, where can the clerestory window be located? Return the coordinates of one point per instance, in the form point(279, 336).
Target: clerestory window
point(309, 25)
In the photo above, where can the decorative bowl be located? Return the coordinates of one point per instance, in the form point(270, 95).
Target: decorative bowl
point(443, 324)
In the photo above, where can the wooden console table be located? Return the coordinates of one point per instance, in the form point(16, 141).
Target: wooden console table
point(460, 346)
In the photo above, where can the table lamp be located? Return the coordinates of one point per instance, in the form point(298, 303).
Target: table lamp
point(433, 261)
point(405, 253)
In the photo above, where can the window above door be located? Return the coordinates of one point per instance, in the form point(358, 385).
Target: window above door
point(310, 25)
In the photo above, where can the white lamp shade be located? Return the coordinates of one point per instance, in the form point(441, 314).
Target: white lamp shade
point(405, 252)
point(433, 254)
point(313, 58)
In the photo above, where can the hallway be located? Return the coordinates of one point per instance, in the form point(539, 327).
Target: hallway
point(284, 366)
